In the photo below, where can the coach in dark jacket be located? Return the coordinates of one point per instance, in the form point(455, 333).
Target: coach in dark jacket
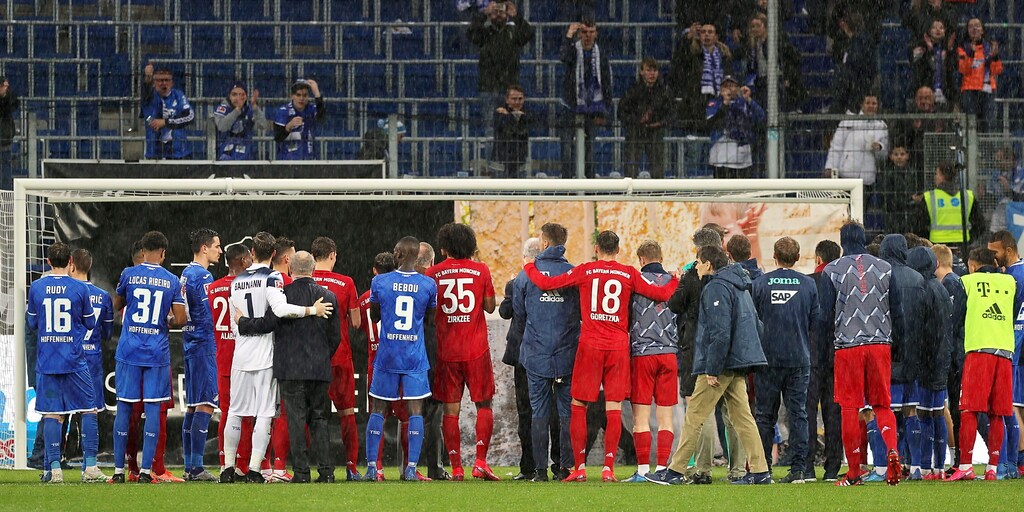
point(513, 340)
point(303, 349)
point(907, 289)
point(821, 390)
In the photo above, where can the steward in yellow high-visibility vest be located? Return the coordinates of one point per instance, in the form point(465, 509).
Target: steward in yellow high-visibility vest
point(942, 209)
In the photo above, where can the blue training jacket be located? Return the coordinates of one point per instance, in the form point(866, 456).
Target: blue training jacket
point(787, 303)
point(552, 319)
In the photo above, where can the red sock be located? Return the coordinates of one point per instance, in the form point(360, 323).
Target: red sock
point(484, 430)
point(350, 436)
point(968, 433)
point(244, 445)
point(578, 435)
point(665, 438)
point(863, 440)
point(161, 445)
point(403, 437)
point(995, 439)
point(279, 440)
point(452, 439)
point(886, 426)
point(612, 432)
point(642, 440)
point(132, 450)
point(854, 437)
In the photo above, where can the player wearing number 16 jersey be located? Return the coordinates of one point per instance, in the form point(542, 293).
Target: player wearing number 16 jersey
point(465, 292)
point(147, 292)
point(401, 301)
point(603, 355)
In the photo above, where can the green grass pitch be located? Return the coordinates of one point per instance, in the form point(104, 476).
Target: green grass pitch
point(21, 490)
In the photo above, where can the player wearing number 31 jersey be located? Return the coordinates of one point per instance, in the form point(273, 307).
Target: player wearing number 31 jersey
point(603, 355)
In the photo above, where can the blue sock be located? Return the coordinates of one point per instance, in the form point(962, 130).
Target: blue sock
point(1011, 439)
point(90, 439)
point(415, 439)
point(941, 436)
point(902, 439)
point(200, 428)
point(151, 432)
point(122, 419)
point(877, 444)
point(374, 430)
point(927, 443)
point(186, 440)
point(914, 440)
point(51, 434)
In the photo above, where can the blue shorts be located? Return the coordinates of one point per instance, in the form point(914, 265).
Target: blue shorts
point(929, 400)
point(64, 393)
point(201, 380)
point(399, 386)
point(98, 377)
point(903, 395)
point(1018, 386)
point(142, 383)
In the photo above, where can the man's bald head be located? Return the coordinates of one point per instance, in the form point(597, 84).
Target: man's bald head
point(302, 264)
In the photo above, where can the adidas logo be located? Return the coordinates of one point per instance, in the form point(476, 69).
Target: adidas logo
point(452, 452)
point(885, 429)
point(609, 454)
point(480, 443)
point(994, 313)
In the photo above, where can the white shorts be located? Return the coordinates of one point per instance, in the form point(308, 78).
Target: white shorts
point(254, 393)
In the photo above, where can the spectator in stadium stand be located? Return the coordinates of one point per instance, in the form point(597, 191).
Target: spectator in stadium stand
point(726, 15)
point(752, 55)
point(732, 119)
point(933, 63)
point(512, 134)
point(958, 300)
point(302, 367)
point(939, 217)
point(295, 123)
point(586, 93)
point(644, 111)
point(821, 389)
point(979, 67)
point(8, 104)
point(738, 248)
point(913, 131)
point(699, 66)
point(513, 342)
point(855, 66)
point(901, 188)
point(238, 118)
point(918, 19)
point(167, 112)
point(1003, 184)
point(501, 32)
point(858, 145)
point(576, 10)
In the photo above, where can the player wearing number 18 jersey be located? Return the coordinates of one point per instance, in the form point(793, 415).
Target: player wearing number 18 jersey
point(147, 292)
point(603, 355)
point(465, 292)
point(401, 300)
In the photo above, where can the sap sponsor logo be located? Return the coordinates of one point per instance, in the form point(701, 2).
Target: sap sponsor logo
point(782, 296)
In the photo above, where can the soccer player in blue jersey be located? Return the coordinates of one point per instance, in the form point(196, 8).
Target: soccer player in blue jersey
point(60, 312)
point(253, 387)
point(153, 303)
point(295, 123)
point(200, 353)
point(1004, 245)
point(92, 345)
point(401, 301)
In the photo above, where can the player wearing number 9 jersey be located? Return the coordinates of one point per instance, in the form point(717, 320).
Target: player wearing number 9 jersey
point(148, 293)
point(402, 301)
point(465, 292)
point(603, 354)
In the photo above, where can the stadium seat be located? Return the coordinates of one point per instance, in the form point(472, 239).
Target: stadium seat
point(466, 80)
point(19, 45)
point(455, 44)
point(258, 42)
point(327, 76)
point(276, 78)
point(641, 11)
point(102, 41)
point(392, 11)
point(298, 10)
point(216, 78)
point(308, 42)
point(157, 39)
point(115, 73)
point(208, 42)
point(44, 40)
point(248, 10)
point(358, 42)
point(197, 10)
point(17, 74)
point(423, 81)
point(372, 80)
point(407, 46)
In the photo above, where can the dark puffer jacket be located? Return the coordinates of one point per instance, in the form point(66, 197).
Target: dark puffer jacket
point(908, 298)
point(728, 330)
point(936, 321)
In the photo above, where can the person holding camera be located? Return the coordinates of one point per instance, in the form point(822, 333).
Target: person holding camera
point(501, 32)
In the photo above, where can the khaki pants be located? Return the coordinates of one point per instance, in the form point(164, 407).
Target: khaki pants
point(733, 388)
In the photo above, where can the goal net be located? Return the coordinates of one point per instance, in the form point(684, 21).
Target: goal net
point(364, 217)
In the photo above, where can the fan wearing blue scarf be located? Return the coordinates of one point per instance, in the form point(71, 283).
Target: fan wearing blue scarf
point(586, 90)
point(238, 119)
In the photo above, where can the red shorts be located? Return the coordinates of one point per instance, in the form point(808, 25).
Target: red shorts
point(655, 378)
point(595, 367)
point(452, 376)
point(987, 384)
point(862, 376)
point(343, 387)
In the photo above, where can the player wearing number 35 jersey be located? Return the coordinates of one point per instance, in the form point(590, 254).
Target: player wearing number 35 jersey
point(603, 355)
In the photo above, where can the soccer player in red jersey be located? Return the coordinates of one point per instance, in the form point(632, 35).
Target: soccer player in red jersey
point(382, 264)
point(343, 384)
point(465, 293)
point(605, 288)
point(238, 258)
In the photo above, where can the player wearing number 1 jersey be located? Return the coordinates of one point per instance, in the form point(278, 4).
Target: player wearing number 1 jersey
point(401, 301)
point(343, 383)
point(465, 292)
point(148, 293)
point(602, 358)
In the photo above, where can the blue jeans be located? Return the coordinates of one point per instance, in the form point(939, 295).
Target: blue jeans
point(788, 385)
point(544, 391)
point(489, 101)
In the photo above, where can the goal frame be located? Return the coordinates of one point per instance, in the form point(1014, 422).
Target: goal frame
point(79, 190)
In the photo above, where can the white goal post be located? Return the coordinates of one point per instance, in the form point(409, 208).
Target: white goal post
point(30, 196)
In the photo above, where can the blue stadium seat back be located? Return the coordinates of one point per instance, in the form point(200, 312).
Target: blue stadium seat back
point(358, 42)
point(311, 38)
point(45, 40)
point(381, 109)
point(276, 76)
point(816, 63)
point(618, 38)
point(795, 25)
point(529, 81)
point(623, 76)
point(372, 80)
point(298, 10)
point(156, 35)
point(55, 148)
point(17, 74)
point(640, 11)
point(543, 11)
point(424, 81)
point(455, 44)
point(248, 10)
point(657, 42)
point(895, 42)
point(445, 158)
point(208, 42)
point(327, 76)
point(19, 48)
point(116, 76)
point(217, 78)
point(258, 42)
point(466, 80)
point(807, 43)
point(87, 117)
point(102, 41)
point(398, 10)
point(197, 10)
point(109, 149)
point(350, 10)
point(408, 46)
